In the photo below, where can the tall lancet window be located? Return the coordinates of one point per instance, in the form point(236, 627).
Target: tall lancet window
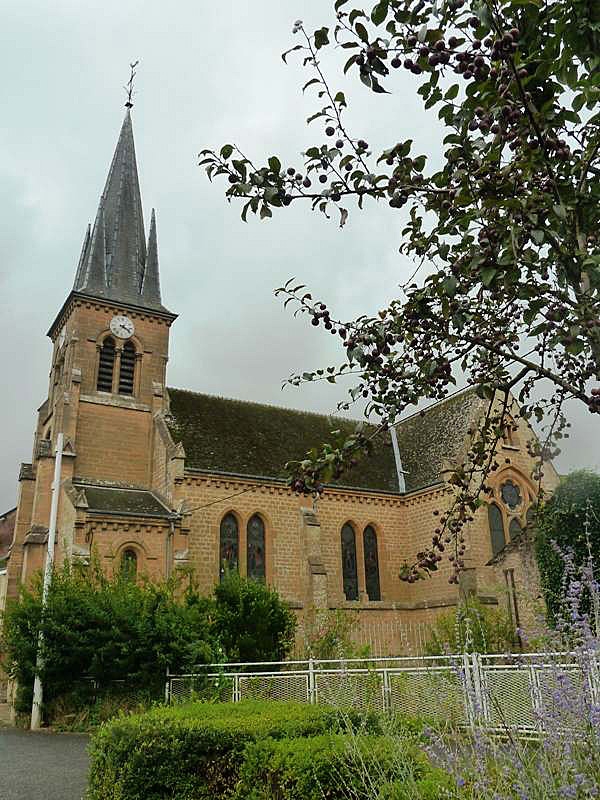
point(496, 524)
point(127, 371)
point(229, 545)
point(256, 548)
point(106, 365)
point(371, 563)
point(349, 570)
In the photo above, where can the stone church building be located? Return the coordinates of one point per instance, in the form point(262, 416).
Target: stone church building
point(160, 479)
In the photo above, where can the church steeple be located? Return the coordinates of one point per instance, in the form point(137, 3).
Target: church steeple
point(114, 263)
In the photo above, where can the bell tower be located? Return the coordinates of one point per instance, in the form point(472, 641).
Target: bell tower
point(111, 337)
point(110, 345)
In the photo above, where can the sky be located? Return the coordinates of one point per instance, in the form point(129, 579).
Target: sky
point(209, 73)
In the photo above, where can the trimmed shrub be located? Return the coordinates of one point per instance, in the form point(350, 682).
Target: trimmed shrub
point(195, 751)
point(251, 621)
point(338, 767)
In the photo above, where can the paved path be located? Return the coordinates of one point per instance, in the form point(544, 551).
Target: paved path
point(42, 766)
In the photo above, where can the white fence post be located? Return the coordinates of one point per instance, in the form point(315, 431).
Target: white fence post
point(386, 691)
point(168, 688)
point(468, 689)
point(312, 694)
point(236, 688)
point(594, 678)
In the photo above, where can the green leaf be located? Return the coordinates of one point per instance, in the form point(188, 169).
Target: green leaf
point(362, 32)
point(265, 211)
point(275, 165)
point(321, 37)
point(452, 92)
point(380, 12)
point(487, 275)
point(226, 151)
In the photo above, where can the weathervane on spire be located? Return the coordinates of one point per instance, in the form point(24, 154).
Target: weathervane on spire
point(129, 85)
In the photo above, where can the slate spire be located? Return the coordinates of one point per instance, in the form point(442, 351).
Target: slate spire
point(113, 261)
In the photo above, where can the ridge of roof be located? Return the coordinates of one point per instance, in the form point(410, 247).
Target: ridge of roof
point(273, 405)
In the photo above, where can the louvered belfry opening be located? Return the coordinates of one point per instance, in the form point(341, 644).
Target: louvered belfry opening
point(127, 372)
point(106, 365)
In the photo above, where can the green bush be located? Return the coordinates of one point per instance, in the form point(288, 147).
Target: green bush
point(473, 626)
point(336, 766)
point(251, 621)
point(195, 751)
point(104, 635)
point(574, 506)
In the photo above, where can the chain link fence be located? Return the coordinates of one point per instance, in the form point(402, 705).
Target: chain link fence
point(495, 691)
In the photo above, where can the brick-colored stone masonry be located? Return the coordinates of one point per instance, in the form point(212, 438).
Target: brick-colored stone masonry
point(124, 440)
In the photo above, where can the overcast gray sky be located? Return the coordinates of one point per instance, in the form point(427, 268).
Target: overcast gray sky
point(209, 73)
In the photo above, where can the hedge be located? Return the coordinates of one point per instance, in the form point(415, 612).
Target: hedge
point(338, 767)
point(195, 751)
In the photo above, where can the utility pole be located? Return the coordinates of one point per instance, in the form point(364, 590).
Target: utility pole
point(38, 689)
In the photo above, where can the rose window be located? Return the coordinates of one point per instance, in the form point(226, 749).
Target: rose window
point(511, 494)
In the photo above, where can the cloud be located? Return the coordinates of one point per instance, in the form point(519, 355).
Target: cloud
point(209, 73)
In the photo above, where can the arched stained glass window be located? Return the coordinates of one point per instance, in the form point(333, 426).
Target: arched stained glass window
point(514, 529)
point(127, 371)
point(255, 548)
point(229, 545)
point(371, 563)
point(129, 564)
point(496, 524)
point(106, 365)
point(349, 570)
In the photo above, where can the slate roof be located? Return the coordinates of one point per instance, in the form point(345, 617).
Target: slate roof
point(124, 502)
point(429, 441)
point(115, 263)
point(242, 438)
point(238, 437)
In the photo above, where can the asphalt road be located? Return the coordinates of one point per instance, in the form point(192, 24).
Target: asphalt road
point(42, 766)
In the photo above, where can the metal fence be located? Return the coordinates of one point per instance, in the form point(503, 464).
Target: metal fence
point(495, 691)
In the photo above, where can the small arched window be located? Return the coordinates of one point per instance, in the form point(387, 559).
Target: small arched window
point(129, 564)
point(371, 563)
point(349, 571)
point(229, 545)
point(496, 524)
point(106, 365)
point(255, 547)
point(127, 370)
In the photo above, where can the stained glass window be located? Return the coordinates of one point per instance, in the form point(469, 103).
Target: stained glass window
point(349, 571)
point(514, 529)
point(229, 545)
point(371, 563)
point(129, 564)
point(511, 494)
point(256, 548)
point(496, 524)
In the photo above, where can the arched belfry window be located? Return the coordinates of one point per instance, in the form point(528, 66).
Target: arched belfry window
point(127, 370)
point(371, 563)
point(129, 564)
point(349, 571)
point(496, 523)
point(229, 545)
point(106, 365)
point(255, 547)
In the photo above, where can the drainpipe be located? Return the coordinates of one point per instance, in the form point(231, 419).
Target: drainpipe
point(38, 689)
point(398, 460)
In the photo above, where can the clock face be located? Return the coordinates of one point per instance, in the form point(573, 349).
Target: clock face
point(122, 327)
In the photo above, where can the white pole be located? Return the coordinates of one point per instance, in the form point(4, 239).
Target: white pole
point(36, 708)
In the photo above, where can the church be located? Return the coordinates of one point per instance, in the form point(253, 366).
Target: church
point(158, 479)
